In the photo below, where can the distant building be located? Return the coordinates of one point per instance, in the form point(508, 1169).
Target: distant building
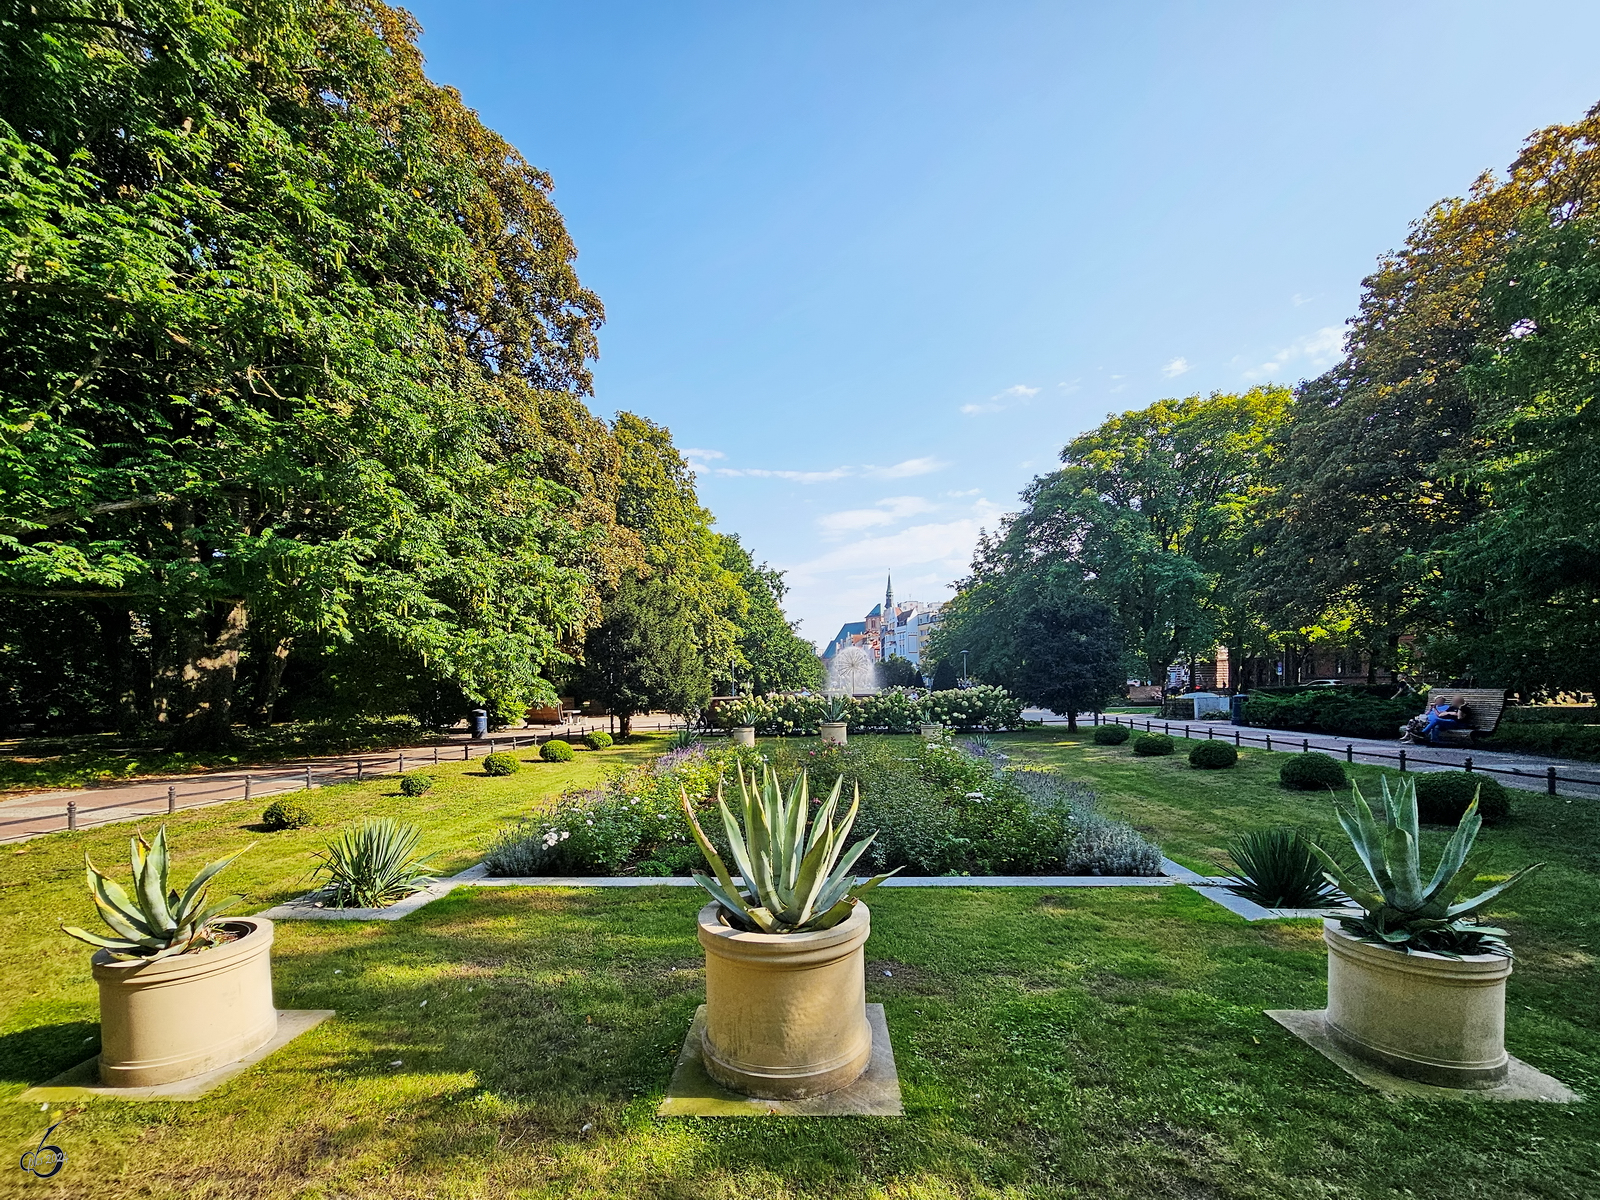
point(890, 630)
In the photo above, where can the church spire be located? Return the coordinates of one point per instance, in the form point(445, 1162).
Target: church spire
point(888, 594)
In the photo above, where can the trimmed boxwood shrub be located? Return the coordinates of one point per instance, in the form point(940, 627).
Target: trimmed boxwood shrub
point(285, 814)
point(503, 763)
point(1442, 796)
point(598, 740)
point(1111, 735)
point(1213, 756)
point(1153, 745)
point(555, 750)
point(415, 783)
point(1312, 773)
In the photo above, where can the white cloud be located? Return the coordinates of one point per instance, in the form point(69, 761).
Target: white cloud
point(888, 511)
point(791, 476)
point(703, 455)
point(1297, 299)
point(1314, 352)
point(904, 470)
point(1176, 367)
point(947, 543)
point(1018, 393)
point(900, 470)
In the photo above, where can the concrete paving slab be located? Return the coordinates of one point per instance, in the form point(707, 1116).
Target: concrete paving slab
point(1251, 911)
point(81, 1082)
point(1523, 1083)
point(693, 1093)
point(310, 906)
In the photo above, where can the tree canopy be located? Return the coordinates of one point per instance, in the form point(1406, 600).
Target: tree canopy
point(293, 392)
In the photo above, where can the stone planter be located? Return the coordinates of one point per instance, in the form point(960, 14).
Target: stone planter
point(835, 733)
point(169, 1019)
point(786, 1014)
point(931, 732)
point(744, 735)
point(1423, 1016)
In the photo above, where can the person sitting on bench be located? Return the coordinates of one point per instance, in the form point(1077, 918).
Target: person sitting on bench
point(1441, 714)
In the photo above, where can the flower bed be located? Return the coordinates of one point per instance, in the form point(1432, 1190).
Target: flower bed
point(937, 809)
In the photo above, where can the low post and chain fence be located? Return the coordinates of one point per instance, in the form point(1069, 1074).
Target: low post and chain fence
point(1549, 775)
point(267, 781)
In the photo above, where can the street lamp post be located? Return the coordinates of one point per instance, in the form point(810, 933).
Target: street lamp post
point(964, 679)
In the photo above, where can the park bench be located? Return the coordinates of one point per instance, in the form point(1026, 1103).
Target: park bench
point(1480, 713)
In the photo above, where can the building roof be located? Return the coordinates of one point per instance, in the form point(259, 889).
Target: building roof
point(843, 636)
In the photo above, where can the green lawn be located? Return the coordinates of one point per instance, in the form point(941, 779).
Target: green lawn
point(1050, 1043)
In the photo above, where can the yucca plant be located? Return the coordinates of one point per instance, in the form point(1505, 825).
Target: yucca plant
point(795, 881)
point(1277, 868)
point(1398, 909)
point(374, 864)
point(156, 921)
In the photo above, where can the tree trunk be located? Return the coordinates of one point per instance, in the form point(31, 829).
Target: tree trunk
point(625, 725)
point(209, 670)
point(1072, 718)
point(271, 684)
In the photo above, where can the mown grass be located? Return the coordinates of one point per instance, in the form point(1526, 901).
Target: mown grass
point(1050, 1043)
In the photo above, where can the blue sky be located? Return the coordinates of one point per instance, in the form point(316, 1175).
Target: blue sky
point(875, 263)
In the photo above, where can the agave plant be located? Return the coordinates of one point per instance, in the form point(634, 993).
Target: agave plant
point(1277, 868)
point(837, 708)
point(1398, 909)
point(795, 881)
point(156, 921)
point(374, 864)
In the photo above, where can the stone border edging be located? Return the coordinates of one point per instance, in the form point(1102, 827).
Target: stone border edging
point(305, 908)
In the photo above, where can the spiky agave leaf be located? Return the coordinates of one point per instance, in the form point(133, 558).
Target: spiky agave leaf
point(155, 921)
point(1403, 912)
point(794, 879)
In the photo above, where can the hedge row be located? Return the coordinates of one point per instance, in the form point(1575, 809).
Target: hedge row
point(894, 710)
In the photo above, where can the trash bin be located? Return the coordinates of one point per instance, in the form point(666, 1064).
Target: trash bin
point(1236, 708)
point(478, 719)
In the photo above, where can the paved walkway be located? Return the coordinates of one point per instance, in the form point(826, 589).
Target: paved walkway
point(35, 814)
point(1525, 771)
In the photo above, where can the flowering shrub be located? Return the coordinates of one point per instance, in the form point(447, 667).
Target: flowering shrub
point(631, 824)
point(893, 710)
point(937, 808)
point(982, 707)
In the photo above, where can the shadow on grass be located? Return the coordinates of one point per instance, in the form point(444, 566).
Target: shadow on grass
point(31, 1056)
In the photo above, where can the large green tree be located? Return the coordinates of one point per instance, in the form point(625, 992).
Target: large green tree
point(776, 658)
point(1515, 596)
point(294, 346)
point(643, 656)
point(1037, 633)
point(1152, 510)
point(1366, 481)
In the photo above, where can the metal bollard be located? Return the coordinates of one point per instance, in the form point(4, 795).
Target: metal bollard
point(401, 769)
point(172, 798)
point(1210, 733)
point(360, 770)
point(1349, 753)
point(308, 777)
point(1305, 745)
point(1186, 732)
point(1402, 760)
point(1550, 780)
point(436, 756)
point(1236, 741)
point(1166, 728)
point(247, 787)
point(1467, 766)
point(72, 814)
point(1269, 741)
